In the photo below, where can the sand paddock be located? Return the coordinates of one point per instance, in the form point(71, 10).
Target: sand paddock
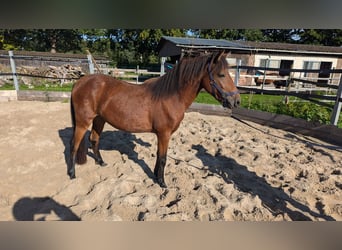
point(217, 169)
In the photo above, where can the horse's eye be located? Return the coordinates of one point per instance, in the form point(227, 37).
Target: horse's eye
point(221, 75)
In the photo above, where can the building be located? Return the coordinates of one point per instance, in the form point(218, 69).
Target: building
point(282, 56)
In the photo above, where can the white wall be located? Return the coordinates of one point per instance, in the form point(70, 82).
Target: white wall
point(298, 61)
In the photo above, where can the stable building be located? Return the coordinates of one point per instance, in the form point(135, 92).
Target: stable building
point(283, 56)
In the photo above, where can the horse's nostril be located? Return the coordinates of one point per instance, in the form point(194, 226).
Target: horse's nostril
point(237, 102)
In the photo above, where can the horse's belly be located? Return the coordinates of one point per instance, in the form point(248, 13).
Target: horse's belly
point(128, 113)
point(134, 126)
point(134, 121)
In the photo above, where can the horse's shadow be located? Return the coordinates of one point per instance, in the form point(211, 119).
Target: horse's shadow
point(274, 199)
point(121, 141)
point(39, 208)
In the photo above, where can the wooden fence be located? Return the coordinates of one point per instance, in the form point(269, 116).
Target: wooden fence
point(139, 75)
point(87, 63)
point(297, 92)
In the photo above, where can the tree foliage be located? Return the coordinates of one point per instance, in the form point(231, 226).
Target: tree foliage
point(138, 46)
point(65, 40)
point(327, 37)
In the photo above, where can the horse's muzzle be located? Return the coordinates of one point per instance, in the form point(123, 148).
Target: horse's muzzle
point(231, 102)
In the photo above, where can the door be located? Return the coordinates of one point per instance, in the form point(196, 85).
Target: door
point(323, 74)
point(285, 65)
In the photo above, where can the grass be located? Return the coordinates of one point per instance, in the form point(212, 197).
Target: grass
point(7, 87)
point(48, 86)
point(275, 104)
point(204, 97)
point(247, 100)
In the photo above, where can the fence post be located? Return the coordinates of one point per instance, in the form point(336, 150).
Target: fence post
point(91, 64)
point(137, 71)
point(264, 79)
point(162, 66)
point(15, 79)
point(237, 72)
point(337, 107)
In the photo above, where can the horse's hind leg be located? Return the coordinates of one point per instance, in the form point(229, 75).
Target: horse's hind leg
point(77, 150)
point(98, 124)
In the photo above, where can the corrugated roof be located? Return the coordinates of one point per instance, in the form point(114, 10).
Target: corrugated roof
point(300, 48)
point(202, 42)
point(172, 46)
point(169, 46)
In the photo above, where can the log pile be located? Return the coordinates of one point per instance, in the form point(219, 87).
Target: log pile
point(4, 78)
point(61, 74)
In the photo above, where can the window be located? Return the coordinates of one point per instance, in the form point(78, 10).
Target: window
point(284, 66)
point(269, 63)
point(310, 65)
point(323, 66)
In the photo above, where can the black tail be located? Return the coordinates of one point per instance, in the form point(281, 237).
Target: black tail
point(72, 112)
point(81, 156)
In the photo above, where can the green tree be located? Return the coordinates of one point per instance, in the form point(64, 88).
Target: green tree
point(138, 46)
point(253, 35)
point(229, 34)
point(327, 37)
point(263, 35)
point(61, 40)
point(278, 35)
point(148, 40)
point(97, 41)
point(16, 39)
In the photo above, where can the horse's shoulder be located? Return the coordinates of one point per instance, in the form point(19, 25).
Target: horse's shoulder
point(151, 80)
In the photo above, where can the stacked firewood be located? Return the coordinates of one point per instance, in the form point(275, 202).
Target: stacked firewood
point(61, 74)
point(64, 71)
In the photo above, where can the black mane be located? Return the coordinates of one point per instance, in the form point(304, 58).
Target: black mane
point(188, 71)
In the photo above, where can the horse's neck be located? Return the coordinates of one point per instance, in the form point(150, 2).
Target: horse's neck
point(189, 92)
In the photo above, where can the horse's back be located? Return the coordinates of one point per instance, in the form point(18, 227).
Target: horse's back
point(95, 88)
point(95, 82)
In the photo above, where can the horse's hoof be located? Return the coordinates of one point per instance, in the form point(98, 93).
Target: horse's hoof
point(101, 163)
point(162, 183)
point(72, 176)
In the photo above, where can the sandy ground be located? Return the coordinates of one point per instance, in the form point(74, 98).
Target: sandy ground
point(217, 169)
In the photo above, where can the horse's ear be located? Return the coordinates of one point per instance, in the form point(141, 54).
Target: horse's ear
point(219, 55)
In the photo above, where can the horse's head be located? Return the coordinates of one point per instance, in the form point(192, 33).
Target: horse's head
point(218, 82)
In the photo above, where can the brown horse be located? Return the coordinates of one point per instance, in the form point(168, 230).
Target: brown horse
point(156, 106)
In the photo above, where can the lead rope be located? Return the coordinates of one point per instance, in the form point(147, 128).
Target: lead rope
point(309, 141)
point(249, 125)
point(258, 129)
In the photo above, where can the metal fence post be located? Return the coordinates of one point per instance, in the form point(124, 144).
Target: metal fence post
point(91, 64)
point(237, 72)
point(137, 71)
point(337, 107)
point(15, 79)
point(162, 66)
point(264, 79)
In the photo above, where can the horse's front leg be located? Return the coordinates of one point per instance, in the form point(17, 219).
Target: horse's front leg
point(163, 142)
point(159, 170)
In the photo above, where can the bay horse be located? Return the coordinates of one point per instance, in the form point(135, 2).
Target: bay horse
point(157, 105)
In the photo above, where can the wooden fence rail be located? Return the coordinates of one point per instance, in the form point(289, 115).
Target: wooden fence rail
point(140, 74)
point(336, 109)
